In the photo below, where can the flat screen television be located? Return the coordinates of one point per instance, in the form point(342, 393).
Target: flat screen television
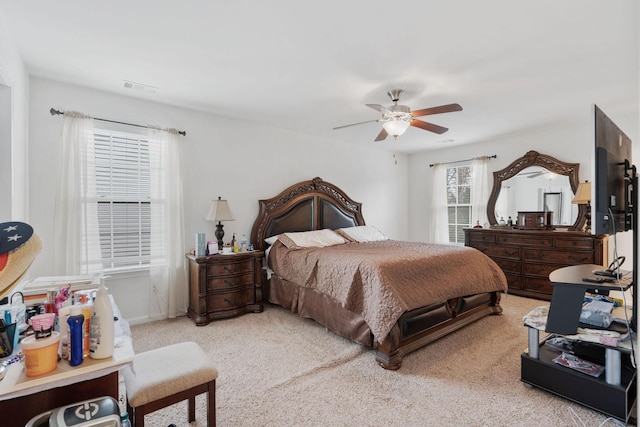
point(616, 192)
point(613, 172)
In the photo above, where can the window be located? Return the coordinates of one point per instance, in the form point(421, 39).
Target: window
point(125, 178)
point(458, 183)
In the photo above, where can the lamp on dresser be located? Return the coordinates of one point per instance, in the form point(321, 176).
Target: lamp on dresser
point(583, 197)
point(219, 211)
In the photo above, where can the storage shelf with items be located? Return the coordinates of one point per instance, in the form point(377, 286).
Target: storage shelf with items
point(588, 365)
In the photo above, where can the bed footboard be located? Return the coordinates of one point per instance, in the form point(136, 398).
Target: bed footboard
point(417, 328)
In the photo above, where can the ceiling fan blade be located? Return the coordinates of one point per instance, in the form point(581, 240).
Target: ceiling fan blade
point(378, 107)
point(355, 124)
point(437, 110)
point(382, 135)
point(428, 126)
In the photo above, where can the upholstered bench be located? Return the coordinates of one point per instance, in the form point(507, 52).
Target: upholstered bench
point(168, 375)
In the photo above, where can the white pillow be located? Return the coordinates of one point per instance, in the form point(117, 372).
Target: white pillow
point(311, 239)
point(271, 240)
point(362, 234)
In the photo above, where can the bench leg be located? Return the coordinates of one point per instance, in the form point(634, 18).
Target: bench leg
point(211, 404)
point(192, 408)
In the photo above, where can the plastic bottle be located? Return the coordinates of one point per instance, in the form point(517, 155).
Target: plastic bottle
point(243, 243)
point(102, 327)
point(75, 321)
point(124, 419)
point(86, 328)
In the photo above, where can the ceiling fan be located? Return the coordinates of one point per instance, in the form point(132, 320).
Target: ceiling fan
point(397, 118)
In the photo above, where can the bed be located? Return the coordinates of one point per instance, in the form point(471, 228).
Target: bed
point(369, 291)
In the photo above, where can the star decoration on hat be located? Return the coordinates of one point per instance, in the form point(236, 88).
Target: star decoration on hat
point(16, 233)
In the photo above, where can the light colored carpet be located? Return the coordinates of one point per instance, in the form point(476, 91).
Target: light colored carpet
point(277, 369)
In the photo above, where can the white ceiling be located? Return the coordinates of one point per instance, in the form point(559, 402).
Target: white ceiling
point(514, 66)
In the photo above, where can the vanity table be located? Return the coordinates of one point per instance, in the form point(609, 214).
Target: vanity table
point(22, 397)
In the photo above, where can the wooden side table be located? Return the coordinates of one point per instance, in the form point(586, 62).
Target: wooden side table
point(223, 286)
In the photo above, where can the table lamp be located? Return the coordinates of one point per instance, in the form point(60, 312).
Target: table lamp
point(219, 211)
point(583, 197)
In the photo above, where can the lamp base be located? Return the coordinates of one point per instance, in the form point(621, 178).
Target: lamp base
point(219, 233)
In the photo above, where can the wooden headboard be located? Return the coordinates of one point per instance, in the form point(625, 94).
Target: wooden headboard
point(307, 205)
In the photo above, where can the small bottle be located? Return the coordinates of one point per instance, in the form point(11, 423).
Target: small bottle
point(233, 241)
point(49, 303)
point(75, 321)
point(124, 420)
point(509, 222)
point(502, 221)
point(243, 243)
point(63, 315)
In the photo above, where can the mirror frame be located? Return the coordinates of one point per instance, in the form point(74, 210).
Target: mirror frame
point(533, 158)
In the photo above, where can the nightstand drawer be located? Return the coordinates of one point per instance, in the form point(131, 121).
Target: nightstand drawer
point(229, 282)
point(231, 267)
point(230, 300)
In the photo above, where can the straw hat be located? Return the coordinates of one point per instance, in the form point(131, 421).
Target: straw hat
point(19, 246)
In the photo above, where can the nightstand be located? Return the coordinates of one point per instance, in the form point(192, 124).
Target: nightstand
point(223, 286)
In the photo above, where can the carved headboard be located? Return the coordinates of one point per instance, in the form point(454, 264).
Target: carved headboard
point(307, 205)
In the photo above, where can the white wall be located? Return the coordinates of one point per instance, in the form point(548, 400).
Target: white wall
point(239, 161)
point(14, 91)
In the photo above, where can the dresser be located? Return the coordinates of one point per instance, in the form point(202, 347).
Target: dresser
point(528, 256)
point(223, 286)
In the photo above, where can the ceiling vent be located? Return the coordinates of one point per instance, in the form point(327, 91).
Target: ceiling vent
point(139, 87)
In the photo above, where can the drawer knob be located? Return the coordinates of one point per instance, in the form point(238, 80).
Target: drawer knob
point(230, 301)
point(229, 282)
point(229, 270)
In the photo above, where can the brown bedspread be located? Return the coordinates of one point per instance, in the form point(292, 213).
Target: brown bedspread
point(381, 280)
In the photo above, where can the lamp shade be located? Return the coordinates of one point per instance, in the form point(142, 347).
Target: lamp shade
point(583, 194)
point(219, 211)
point(396, 126)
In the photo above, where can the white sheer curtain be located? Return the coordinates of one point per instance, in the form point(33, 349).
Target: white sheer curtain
point(168, 269)
point(479, 191)
point(75, 181)
point(439, 224)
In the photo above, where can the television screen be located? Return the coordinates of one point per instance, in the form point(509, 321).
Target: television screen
point(612, 184)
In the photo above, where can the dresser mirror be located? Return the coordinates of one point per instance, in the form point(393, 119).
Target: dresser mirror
point(537, 182)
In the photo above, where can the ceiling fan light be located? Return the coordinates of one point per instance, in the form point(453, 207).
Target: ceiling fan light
point(396, 127)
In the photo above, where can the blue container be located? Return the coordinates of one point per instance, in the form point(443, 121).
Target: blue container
point(75, 322)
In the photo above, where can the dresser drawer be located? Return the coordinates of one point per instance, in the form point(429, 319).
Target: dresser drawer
point(574, 243)
point(542, 270)
point(228, 268)
point(482, 238)
point(499, 251)
point(514, 239)
point(558, 257)
point(230, 300)
point(229, 282)
point(513, 281)
point(507, 265)
point(542, 286)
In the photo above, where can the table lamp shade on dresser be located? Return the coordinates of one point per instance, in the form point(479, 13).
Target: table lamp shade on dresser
point(583, 197)
point(219, 211)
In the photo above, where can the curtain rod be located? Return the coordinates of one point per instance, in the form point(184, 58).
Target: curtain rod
point(465, 160)
point(55, 112)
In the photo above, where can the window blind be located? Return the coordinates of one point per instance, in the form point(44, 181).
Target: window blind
point(129, 197)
